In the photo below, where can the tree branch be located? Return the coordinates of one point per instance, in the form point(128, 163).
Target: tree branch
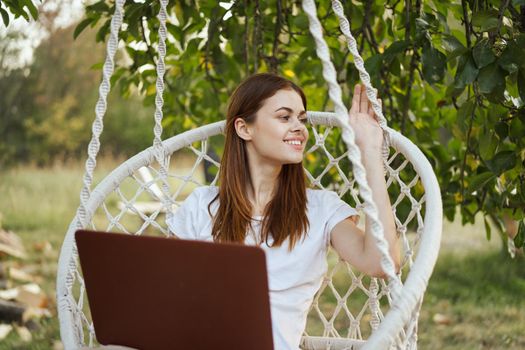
point(273, 60)
point(245, 36)
point(462, 171)
point(412, 69)
point(207, 58)
point(500, 15)
point(255, 37)
point(148, 45)
point(466, 22)
point(408, 6)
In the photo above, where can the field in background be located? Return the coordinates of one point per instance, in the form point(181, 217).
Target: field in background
point(474, 299)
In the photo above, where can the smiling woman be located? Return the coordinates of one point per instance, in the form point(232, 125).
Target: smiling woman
point(261, 173)
point(262, 199)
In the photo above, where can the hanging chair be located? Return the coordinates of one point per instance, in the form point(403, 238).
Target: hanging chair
point(350, 310)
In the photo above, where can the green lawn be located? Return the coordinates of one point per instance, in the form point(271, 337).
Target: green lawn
point(480, 290)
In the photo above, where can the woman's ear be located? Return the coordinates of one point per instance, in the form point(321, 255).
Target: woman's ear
point(242, 129)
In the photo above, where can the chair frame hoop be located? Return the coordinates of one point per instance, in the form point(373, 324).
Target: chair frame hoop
point(400, 311)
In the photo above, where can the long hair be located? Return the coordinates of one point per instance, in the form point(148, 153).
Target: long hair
point(285, 214)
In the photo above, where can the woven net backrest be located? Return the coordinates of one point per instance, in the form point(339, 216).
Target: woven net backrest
point(348, 305)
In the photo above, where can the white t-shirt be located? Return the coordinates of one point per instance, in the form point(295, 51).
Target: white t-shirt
point(293, 277)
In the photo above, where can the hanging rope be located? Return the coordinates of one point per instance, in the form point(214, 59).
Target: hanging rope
point(354, 153)
point(363, 74)
point(100, 111)
point(359, 63)
point(160, 151)
point(66, 279)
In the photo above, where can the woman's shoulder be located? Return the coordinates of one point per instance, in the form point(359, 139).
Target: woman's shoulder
point(318, 196)
point(206, 190)
point(202, 193)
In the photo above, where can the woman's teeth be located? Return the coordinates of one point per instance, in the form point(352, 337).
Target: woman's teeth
point(293, 142)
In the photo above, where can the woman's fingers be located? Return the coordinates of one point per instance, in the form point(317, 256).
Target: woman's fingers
point(360, 102)
point(363, 105)
point(355, 100)
point(370, 110)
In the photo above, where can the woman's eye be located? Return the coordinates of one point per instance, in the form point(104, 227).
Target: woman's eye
point(285, 117)
point(304, 120)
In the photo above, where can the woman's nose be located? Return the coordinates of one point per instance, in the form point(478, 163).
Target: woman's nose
point(298, 126)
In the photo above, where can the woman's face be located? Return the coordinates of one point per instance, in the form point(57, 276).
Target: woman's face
point(279, 133)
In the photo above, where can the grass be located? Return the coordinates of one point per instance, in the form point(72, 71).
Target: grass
point(476, 287)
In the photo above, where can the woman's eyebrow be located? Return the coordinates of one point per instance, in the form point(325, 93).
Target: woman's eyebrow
point(290, 110)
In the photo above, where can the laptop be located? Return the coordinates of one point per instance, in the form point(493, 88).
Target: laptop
point(161, 293)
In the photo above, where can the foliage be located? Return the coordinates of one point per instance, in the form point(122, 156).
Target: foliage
point(19, 8)
point(451, 72)
point(47, 108)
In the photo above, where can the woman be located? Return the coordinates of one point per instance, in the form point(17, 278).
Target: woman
point(262, 199)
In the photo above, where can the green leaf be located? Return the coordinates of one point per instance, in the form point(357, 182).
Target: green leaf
point(5, 16)
point(510, 57)
point(519, 239)
point(482, 54)
point(521, 85)
point(100, 6)
point(488, 142)
point(103, 31)
point(17, 9)
point(479, 181)
point(485, 20)
point(301, 21)
point(466, 72)
point(490, 78)
point(502, 130)
point(517, 129)
point(518, 2)
point(31, 7)
point(394, 49)
point(97, 66)
point(80, 27)
point(452, 45)
point(434, 64)
point(487, 228)
point(502, 162)
point(373, 64)
point(464, 113)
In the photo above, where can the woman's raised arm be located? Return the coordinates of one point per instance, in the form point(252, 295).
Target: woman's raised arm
point(350, 242)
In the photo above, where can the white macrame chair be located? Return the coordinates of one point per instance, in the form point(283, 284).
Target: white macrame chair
point(386, 314)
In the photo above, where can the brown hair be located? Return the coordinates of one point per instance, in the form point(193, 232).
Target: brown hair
point(285, 214)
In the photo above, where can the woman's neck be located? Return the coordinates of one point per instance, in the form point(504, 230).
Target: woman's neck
point(264, 177)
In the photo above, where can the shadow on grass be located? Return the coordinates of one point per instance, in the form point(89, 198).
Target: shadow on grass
point(480, 295)
point(493, 277)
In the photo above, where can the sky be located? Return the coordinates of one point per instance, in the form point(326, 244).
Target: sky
point(70, 11)
point(34, 32)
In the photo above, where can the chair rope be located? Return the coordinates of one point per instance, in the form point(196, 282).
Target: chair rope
point(346, 318)
point(100, 110)
point(363, 74)
point(160, 152)
point(376, 106)
point(66, 279)
point(354, 153)
point(359, 63)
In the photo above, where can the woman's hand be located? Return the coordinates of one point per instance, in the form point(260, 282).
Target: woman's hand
point(368, 133)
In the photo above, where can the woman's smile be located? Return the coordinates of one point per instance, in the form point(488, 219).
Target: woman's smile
point(296, 143)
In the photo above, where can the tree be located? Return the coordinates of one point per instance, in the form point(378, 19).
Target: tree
point(47, 107)
point(18, 8)
point(451, 72)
